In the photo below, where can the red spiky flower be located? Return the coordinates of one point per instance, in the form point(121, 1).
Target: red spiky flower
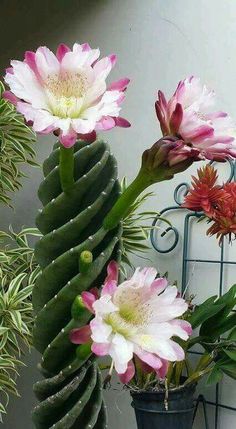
point(217, 202)
point(224, 219)
point(204, 194)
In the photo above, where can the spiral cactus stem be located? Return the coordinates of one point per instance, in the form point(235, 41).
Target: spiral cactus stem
point(102, 419)
point(66, 168)
point(79, 189)
point(78, 399)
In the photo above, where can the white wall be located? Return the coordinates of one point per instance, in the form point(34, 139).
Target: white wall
point(158, 43)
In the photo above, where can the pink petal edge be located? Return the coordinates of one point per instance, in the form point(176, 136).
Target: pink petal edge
point(128, 374)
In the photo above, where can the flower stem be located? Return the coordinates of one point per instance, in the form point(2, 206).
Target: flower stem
point(122, 205)
point(66, 167)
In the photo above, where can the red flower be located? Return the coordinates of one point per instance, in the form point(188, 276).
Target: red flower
point(224, 220)
point(204, 194)
point(217, 203)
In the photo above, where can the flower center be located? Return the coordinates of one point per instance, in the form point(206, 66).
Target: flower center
point(65, 92)
point(128, 320)
point(120, 325)
point(67, 84)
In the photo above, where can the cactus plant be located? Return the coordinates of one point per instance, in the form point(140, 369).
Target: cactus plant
point(71, 221)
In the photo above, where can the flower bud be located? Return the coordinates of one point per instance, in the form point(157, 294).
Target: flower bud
point(163, 159)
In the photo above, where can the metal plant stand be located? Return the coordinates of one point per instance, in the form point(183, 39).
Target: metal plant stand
point(189, 217)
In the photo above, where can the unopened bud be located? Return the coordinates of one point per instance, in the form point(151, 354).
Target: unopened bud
point(161, 160)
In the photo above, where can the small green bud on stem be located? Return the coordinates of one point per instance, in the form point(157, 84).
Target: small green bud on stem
point(78, 308)
point(85, 261)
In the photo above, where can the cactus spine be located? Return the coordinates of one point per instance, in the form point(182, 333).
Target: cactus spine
point(71, 222)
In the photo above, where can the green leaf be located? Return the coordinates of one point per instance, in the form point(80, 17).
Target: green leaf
point(16, 318)
point(16, 284)
point(232, 334)
point(223, 321)
point(204, 311)
point(229, 369)
point(215, 376)
point(231, 354)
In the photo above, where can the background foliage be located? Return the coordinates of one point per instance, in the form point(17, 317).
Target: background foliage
point(16, 148)
point(18, 270)
point(137, 226)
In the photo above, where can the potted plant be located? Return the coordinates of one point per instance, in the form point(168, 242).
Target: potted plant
point(83, 208)
point(170, 402)
point(147, 330)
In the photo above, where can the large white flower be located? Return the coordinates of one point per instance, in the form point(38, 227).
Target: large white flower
point(139, 317)
point(67, 92)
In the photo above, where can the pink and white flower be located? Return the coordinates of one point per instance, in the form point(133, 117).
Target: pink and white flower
point(67, 93)
point(189, 115)
point(138, 318)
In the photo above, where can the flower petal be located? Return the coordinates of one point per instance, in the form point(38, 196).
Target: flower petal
point(47, 63)
point(80, 335)
point(69, 139)
point(112, 271)
point(119, 85)
point(9, 96)
point(182, 328)
point(149, 358)
point(61, 51)
point(100, 349)
point(100, 330)
point(159, 285)
point(104, 305)
point(161, 372)
point(121, 122)
point(128, 374)
point(88, 299)
point(109, 287)
point(121, 352)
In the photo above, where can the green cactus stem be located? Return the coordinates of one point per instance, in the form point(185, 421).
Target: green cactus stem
point(79, 189)
point(121, 208)
point(155, 168)
point(66, 168)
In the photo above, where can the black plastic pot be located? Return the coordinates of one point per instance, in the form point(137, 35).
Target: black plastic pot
point(151, 412)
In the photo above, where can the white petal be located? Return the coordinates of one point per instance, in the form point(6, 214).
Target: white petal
point(168, 296)
point(87, 57)
point(41, 118)
point(104, 305)
point(121, 352)
point(47, 62)
point(83, 126)
point(95, 91)
point(100, 330)
point(164, 313)
point(102, 68)
point(168, 350)
point(24, 84)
